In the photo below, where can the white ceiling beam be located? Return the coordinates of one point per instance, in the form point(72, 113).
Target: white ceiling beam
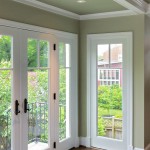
point(138, 6)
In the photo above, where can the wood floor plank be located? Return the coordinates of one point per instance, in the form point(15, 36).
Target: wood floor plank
point(82, 148)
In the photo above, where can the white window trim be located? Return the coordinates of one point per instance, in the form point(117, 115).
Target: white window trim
point(109, 36)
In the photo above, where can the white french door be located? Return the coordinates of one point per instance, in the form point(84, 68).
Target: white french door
point(111, 90)
point(36, 76)
point(67, 87)
point(38, 82)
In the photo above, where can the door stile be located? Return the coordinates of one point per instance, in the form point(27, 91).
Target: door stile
point(56, 101)
point(53, 93)
point(15, 137)
point(23, 92)
point(15, 124)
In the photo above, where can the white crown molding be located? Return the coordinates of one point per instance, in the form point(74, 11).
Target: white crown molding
point(107, 15)
point(13, 24)
point(133, 9)
point(138, 6)
point(49, 8)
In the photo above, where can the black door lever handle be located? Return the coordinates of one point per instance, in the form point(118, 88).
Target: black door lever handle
point(16, 107)
point(26, 106)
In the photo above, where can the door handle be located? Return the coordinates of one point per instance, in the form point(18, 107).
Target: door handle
point(26, 106)
point(17, 111)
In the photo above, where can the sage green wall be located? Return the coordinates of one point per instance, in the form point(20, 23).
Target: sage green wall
point(147, 83)
point(134, 24)
point(22, 13)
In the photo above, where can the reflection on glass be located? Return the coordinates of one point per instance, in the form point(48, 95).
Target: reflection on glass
point(109, 90)
point(103, 55)
point(64, 92)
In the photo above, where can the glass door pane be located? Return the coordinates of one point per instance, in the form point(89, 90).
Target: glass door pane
point(64, 91)
point(6, 71)
point(109, 91)
point(38, 93)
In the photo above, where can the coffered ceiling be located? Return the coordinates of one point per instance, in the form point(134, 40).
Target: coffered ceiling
point(91, 9)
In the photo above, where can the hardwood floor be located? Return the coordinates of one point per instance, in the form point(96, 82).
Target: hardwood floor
point(83, 148)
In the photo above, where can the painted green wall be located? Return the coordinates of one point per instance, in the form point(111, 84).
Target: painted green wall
point(147, 83)
point(134, 24)
point(22, 13)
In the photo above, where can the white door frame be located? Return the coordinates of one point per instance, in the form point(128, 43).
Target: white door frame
point(15, 85)
point(73, 107)
point(24, 88)
point(59, 35)
point(127, 36)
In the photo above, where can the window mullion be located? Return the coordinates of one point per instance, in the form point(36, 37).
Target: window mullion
point(38, 53)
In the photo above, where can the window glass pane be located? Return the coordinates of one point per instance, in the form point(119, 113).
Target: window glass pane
point(103, 55)
point(5, 51)
point(32, 52)
point(109, 94)
point(38, 105)
point(64, 100)
point(44, 49)
point(64, 55)
point(64, 91)
point(5, 109)
point(38, 94)
point(5, 91)
point(67, 55)
point(116, 55)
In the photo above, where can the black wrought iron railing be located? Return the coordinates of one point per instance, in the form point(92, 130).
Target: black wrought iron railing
point(37, 124)
point(5, 132)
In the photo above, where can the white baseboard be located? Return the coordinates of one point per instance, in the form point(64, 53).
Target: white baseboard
point(138, 148)
point(85, 141)
point(77, 142)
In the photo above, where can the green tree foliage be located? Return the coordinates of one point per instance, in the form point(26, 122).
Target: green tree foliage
point(110, 97)
point(101, 127)
point(5, 48)
point(62, 91)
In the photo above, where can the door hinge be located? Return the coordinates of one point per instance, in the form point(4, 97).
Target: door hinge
point(54, 145)
point(54, 47)
point(54, 96)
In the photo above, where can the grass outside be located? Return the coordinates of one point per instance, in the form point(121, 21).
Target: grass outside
point(111, 112)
